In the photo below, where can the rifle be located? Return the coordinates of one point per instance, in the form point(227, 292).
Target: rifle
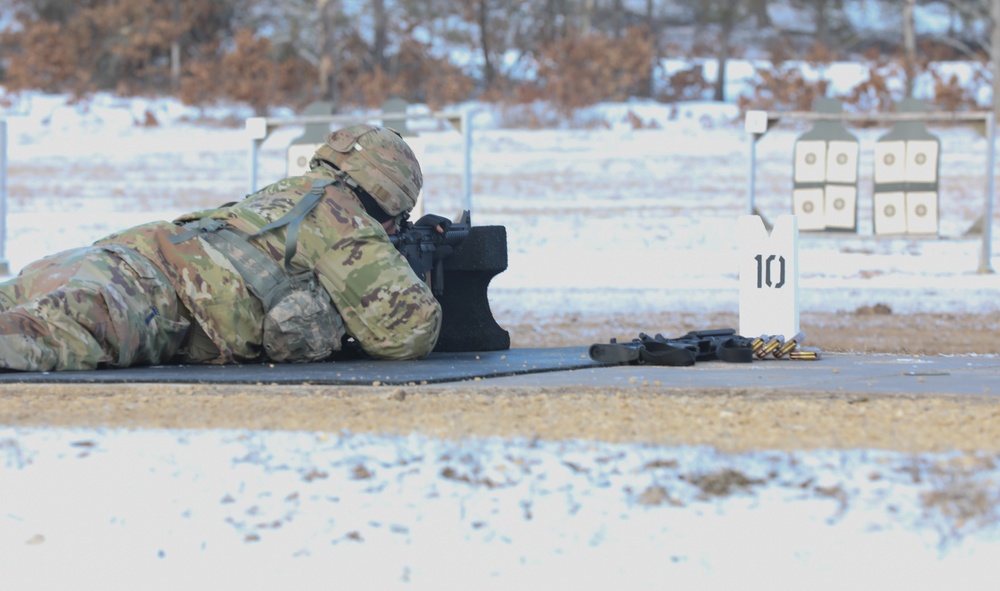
point(697, 345)
point(463, 258)
point(425, 248)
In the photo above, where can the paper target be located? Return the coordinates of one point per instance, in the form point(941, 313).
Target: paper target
point(299, 156)
point(890, 213)
point(840, 205)
point(842, 162)
point(922, 212)
point(810, 162)
point(890, 162)
point(921, 161)
point(807, 204)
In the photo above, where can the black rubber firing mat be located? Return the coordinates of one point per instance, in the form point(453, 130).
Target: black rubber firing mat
point(438, 367)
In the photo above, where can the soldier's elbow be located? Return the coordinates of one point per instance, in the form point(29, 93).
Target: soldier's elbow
point(425, 335)
point(414, 339)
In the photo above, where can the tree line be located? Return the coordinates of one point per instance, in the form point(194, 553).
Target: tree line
point(572, 53)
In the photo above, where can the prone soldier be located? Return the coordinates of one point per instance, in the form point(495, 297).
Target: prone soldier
point(287, 274)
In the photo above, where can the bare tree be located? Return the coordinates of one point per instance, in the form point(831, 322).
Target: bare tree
point(327, 12)
point(554, 17)
point(587, 16)
point(758, 8)
point(654, 35)
point(965, 26)
point(175, 50)
point(968, 39)
point(909, 46)
point(380, 34)
point(483, 22)
point(494, 33)
point(720, 16)
point(728, 14)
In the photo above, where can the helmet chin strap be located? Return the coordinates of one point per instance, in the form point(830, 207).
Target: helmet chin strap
point(371, 206)
point(344, 177)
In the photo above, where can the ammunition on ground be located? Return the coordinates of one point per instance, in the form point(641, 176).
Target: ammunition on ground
point(789, 345)
point(758, 342)
point(771, 345)
point(805, 354)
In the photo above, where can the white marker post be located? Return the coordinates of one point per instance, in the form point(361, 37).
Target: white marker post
point(419, 147)
point(769, 276)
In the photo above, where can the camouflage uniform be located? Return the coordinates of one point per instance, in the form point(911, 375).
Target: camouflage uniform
point(85, 307)
point(129, 299)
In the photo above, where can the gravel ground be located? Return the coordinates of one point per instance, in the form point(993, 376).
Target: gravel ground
point(735, 419)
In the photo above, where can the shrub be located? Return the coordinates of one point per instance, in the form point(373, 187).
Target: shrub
point(581, 70)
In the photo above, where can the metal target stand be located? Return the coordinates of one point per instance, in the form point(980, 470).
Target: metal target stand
point(757, 123)
point(393, 114)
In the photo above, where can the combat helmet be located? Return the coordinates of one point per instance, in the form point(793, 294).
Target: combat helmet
point(379, 161)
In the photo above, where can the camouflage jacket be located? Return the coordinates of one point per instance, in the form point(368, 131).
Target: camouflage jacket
point(385, 306)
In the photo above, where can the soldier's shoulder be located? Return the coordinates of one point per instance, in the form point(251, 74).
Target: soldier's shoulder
point(297, 184)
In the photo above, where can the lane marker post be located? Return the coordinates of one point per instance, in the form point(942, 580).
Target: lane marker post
point(769, 276)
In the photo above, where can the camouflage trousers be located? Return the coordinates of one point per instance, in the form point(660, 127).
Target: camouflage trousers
point(99, 306)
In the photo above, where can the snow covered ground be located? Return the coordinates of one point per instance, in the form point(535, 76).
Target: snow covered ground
point(118, 509)
point(648, 216)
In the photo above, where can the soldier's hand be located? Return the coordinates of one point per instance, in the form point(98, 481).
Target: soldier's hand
point(440, 222)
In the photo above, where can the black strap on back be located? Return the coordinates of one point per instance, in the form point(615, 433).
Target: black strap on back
point(263, 277)
point(293, 219)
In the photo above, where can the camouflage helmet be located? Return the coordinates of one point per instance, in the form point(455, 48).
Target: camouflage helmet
point(379, 161)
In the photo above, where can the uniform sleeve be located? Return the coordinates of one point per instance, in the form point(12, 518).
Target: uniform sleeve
point(386, 307)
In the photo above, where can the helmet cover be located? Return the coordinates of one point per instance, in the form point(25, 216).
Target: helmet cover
point(379, 161)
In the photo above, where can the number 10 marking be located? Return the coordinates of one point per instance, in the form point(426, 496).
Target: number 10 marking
point(764, 271)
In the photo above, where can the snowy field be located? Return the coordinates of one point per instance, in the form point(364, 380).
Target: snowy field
point(598, 219)
point(87, 509)
point(650, 214)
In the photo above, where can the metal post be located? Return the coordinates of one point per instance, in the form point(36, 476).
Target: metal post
point(4, 266)
point(257, 129)
point(756, 125)
point(752, 189)
point(986, 252)
point(467, 148)
point(254, 147)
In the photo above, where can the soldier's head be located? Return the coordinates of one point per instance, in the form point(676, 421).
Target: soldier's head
point(381, 164)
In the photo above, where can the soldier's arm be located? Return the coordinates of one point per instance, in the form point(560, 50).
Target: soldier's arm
point(389, 311)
